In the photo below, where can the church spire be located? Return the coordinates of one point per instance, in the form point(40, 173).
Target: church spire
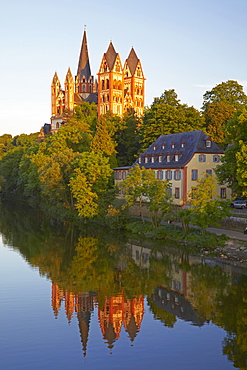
point(83, 64)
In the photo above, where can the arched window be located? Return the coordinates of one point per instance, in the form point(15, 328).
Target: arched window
point(84, 88)
point(103, 85)
point(107, 84)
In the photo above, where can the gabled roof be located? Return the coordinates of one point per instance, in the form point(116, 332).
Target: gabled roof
point(83, 64)
point(193, 142)
point(110, 56)
point(132, 61)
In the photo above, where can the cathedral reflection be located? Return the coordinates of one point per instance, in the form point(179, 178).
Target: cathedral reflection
point(117, 313)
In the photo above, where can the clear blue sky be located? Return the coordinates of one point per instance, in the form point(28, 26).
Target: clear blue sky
point(186, 45)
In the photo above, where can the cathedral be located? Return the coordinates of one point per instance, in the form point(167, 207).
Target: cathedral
point(119, 87)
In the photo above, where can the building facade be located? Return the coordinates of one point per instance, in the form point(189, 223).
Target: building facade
point(182, 159)
point(119, 88)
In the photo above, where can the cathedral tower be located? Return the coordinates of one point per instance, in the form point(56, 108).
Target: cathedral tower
point(133, 84)
point(110, 83)
point(84, 79)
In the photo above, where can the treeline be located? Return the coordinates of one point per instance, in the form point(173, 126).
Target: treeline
point(72, 170)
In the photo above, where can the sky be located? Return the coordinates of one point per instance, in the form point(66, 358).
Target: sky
point(186, 45)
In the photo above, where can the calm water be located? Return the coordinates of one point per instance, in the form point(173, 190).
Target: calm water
point(73, 300)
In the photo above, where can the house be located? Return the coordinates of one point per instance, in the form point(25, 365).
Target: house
point(182, 159)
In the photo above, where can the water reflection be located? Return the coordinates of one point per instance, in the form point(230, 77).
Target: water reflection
point(112, 274)
point(117, 312)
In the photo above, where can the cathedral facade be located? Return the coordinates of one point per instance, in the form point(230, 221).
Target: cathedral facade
point(119, 88)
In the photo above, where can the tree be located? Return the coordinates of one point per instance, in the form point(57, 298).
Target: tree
point(233, 167)
point(216, 116)
point(229, 92)
point(204, 210)
point(128, 139)
point(142, 186)
point(168, 116)
point(219, 106)
point(88, 183)
point(85, 114)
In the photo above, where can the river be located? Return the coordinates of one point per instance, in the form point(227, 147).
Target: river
point(95, 299)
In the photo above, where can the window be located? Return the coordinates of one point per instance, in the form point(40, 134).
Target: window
point(209, 172)
point(176, 157)
point(208, 143)
point(202, 157)
point(194, 175)
point(160, 175)
point(168, 175)
point(177, 175)
point(216, 158)
point(152, 159)
point(177, 195)
point(124, 175)
point(168, 158)
point(182, 145)
point(173, 145)
point(140, 159)
point(160, 158)
point(223, 193)
point(146, 159)
point(163, 146)
point(155, 147)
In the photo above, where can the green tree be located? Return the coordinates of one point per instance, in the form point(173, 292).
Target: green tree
point(128, 140)
point(219, 106)
point(233, 167)
point(168, 116)
point(142, 186)
point(88, 183)
point(204, 210)
point(216, 116)
point(229, 92)
point(84, 114)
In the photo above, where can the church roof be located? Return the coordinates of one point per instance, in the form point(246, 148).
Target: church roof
point(132, 61)
point(185, 144)
point(83, 64)
point(111, 56)
point(92, 98)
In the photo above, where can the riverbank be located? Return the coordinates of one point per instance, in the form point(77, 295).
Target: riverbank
point(235, 249)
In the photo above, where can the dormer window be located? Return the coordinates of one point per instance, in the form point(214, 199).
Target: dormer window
point(146, 159)
point(176, 157)
point(155, 147)
point(160, 158)
point(173, 145)
point(140, 159)
point(163, 146)
point(208, 142)
point(152, 159)
point(168, 157)
point(182, 145)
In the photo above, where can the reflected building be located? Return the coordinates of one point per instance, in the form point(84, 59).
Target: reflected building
point(117, 312)
point(81, 305)
point(176, 304)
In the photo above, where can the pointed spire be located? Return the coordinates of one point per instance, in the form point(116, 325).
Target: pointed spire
point(69, 77)
point(83, 64)
point(110, 56)
point(55, 80)
point(132, 61)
